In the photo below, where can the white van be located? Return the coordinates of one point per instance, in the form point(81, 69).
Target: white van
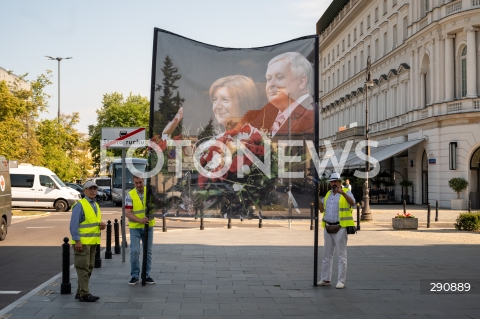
point(35, 186)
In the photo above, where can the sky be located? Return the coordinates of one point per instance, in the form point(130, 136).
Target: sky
point(111, 41)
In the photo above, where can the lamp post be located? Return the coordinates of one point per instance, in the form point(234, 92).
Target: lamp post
point(366, 214)
point(58, 59)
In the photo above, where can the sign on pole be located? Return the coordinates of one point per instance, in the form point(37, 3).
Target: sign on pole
point(123, 137)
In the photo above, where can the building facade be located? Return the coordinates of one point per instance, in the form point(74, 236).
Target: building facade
point(12, 79)
point(424, 108)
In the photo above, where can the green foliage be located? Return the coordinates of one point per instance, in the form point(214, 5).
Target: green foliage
point(458, 185)
point(117, 111)
point(169, 103)
point(406, 183)
point(468, 221)
point(208, 131)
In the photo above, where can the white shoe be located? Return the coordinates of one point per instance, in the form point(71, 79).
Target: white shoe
point(340, 285)
point(324, 283)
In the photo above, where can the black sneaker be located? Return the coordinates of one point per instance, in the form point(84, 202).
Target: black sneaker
point(77, 296)
point(150, 281)
point(89, 298)
point(133, 281)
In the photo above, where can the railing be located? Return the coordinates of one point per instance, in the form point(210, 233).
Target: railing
point(393, 122)
point(339, 17)
point(354, 131)
point(384, 125)
point(454, 7)
point(374, 127)
point(454, 107)
point(403, 119)
point(476, 104)
point(475, 3)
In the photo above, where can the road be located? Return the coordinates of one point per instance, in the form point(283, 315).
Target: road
point(31, 254)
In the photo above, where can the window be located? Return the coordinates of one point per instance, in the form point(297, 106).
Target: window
point(368, 22)
point(338, 49)
point(22, 180)
point(354, 65)
point(333, 78)
point(333, 54)
point(348, 70)
point(348, 40)
point(376, 50)
point(394, 3)
point(343, 73)
point(355, 34)
point(395, 102)
point(463, 60)
point(394, 37)
point(376, 15)
point(405, 28)
point(385, 100)
point(384, 7)
point(385, 43)
point(427, 6)
point(361, 28)
point(361, 60)
point(46, 181)
point(329, 58)
point(324, 62)
point(343, 45)
point(368, 50)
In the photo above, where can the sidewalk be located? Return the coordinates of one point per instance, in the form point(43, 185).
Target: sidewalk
point(247, 272)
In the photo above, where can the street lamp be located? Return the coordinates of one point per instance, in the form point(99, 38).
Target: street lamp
point(366, 214)
point(58, 59)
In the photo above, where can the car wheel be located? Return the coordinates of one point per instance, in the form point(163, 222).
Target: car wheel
point(61, 205)
point(3, 229)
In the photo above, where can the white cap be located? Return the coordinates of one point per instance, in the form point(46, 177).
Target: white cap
point(89, 184)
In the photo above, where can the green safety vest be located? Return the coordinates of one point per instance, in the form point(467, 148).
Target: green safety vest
point(345, 211)
point(139, 208)
point(89, 229)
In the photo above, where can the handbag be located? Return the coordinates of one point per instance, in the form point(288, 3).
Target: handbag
point(332, 229)
point(351, 230)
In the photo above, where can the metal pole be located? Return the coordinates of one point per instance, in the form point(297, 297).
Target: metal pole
point(98, 260)
point(289, 177)
point(436, 210)
point(164, 224)
point(428, 216)
point(58, 90)
point(311, 216)
point(108, 250)
point(469, 206)
point(116, 231)
point(366, 214)
point(124, 239)
point(404, 206)
point(317, 138)
point(229, 225)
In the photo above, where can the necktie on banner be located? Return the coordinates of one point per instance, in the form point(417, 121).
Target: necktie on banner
point(278, 122)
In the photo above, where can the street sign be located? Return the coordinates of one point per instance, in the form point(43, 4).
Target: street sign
point(123, 137)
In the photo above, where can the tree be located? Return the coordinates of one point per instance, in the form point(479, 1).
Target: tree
point(458, 184)
point(169, 103)
point(116, 111)
point(208, 131)
point(19, 111)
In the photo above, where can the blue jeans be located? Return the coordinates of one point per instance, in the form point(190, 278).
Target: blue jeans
point(136, 235)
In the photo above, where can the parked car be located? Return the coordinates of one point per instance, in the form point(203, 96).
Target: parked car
point(107, 192)
point(101, 195)
point(77, 187)
point(35, 186)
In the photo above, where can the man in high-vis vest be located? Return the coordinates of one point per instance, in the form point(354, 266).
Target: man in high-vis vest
point(135, 210)
point(337, 215)
point(85, 226)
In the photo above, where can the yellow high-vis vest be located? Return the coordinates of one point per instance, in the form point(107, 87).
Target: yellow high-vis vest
point(345, 211)
point(89, 229)
point(139, 208)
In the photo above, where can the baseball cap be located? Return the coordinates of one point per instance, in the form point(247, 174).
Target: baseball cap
point(89, 184)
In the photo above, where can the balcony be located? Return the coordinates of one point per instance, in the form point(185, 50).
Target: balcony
point(351, 132)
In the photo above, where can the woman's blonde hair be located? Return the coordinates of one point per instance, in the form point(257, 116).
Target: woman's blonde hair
point(240, 87)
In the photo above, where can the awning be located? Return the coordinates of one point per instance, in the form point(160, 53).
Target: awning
point(379, 153)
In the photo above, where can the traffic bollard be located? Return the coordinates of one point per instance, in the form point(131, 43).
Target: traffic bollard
point(469, 206)
point(358, 216)
point(259, 221)
point(404, 206)
point(98, 260)
point(436, 210)
point(108, 250)
point(116, 230)
point(66, 287)
point(229, 225)
point(164, 225)
point(311, 216)
point(201, 224)
point(126, 243)
point(428, 216)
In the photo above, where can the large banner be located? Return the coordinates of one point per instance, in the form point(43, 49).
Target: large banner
point(230, 129)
